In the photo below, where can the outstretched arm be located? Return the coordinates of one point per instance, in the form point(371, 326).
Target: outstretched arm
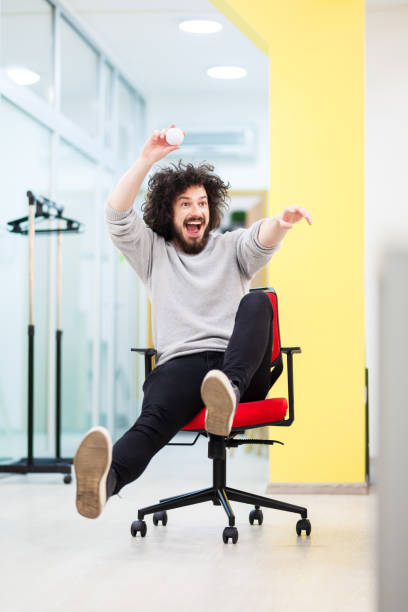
point(273, 230)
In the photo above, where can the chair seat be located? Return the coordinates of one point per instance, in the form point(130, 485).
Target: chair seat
point(247, 415)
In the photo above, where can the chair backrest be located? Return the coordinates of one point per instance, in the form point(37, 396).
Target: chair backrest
point(276, 361)
point(276, 347)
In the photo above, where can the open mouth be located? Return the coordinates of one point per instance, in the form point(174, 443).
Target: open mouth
point(193, 228)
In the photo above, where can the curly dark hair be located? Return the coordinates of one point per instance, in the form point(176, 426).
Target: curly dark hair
point(165, 185)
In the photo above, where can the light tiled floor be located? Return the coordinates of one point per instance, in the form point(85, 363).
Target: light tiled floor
point(55, 560)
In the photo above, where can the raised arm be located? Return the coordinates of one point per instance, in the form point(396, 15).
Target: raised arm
point(127, 188)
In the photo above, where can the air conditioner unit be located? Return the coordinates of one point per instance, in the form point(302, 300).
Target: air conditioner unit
point(208, 143)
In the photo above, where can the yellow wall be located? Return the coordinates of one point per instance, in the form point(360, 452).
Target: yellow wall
point(316, 52)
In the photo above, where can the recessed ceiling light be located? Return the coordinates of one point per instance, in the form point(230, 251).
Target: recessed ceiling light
point(22, 76)
point(200, 26)
point(226, 72)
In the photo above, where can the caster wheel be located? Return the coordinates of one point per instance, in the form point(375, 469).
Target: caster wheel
point(138, 527)
point(230, 532)
point(160, 516)
point(67, 478)
point(303, 525)
point(256, 515)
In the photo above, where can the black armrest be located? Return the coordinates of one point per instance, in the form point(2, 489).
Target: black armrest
point(288, 351)
point(148, 355)
point(146, 351)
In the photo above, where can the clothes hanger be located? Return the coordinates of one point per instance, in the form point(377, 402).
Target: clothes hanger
point(44, 209)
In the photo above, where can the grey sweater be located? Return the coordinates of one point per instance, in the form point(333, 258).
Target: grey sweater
point(194, 297)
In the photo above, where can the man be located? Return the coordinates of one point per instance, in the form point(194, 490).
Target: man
point(213, 338)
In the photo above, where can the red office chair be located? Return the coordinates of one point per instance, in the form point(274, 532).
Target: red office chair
point(248, 415)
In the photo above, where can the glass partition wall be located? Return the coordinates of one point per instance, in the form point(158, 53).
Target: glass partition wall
point(71, 123)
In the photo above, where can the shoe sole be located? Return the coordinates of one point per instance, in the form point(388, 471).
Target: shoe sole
point(92, 462)
point(220, 400)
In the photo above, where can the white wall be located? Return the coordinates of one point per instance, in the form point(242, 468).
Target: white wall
point(219, 111)
point(386, 166)
point(391, 523)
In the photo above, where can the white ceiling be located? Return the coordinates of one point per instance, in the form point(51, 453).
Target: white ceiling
point(143, 36)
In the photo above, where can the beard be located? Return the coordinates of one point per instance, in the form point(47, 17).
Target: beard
point(193, 247)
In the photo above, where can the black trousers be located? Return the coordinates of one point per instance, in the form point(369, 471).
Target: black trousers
point(172, 390)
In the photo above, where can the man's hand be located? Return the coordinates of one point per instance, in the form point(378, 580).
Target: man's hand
point(273, 230)
point(157, 146)
point(125, 191)
point(293, 214)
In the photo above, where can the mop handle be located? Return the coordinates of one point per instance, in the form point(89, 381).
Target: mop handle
point(59, 276)
point(31, 232)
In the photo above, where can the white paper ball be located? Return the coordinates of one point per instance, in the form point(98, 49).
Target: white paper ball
point(174, 136)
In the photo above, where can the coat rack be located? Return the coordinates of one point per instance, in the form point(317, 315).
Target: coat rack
point(40, 209)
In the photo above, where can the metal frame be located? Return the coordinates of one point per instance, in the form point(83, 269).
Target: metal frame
point(40, 207)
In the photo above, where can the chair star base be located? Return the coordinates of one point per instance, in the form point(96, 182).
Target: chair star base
point(220, 495)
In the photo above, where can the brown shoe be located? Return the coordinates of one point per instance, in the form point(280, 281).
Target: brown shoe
point(92, 462)
point(220, 397)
